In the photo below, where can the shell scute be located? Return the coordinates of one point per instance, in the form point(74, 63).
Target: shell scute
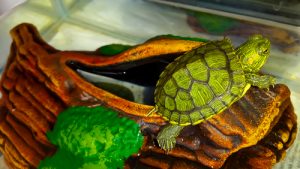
point(198, 70)
point(195, 117)
point(170, 103)
point(209, 47)
point(206, 112)
point(161, 110)
point(161, 100)
point(225, 46)
point(183, 101)
point(170, 88)
point(184, 119)
point(201, 51)
point(238, 79)
point(166, 113)
point(235, 90)
point(201, 94)
point(219, 81)
point(182, 78)
point(174, 118)
point(230, 53)
point(214, 62)
point(236, 66)
point(218, 105)
point(188, 57)
point(227, 98)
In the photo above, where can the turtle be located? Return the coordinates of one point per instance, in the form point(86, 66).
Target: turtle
point(207, 80)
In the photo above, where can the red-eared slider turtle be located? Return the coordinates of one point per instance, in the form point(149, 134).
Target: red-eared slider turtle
point(207, 80)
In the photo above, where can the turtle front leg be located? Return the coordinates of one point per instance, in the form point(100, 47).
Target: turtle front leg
point(261, 81)
point(167, 136)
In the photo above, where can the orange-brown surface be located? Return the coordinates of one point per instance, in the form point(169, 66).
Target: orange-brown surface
point(38, 84)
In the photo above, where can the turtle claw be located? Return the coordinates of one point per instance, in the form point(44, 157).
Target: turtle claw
point(166, 144)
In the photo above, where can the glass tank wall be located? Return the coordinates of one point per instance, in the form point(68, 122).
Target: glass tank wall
point(89, 24)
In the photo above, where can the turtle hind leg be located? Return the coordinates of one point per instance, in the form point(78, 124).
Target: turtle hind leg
point(166, 138)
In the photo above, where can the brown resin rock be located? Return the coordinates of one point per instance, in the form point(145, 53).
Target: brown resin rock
point(40, 81)
point(262, 121)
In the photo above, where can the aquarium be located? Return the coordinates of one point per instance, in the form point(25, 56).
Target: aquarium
point(70, 25)
point(286, 12)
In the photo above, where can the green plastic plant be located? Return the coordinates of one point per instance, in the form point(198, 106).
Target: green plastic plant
point(92, 138)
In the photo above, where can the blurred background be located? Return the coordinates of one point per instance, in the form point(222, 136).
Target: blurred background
point(89, 24)
point(7, 5)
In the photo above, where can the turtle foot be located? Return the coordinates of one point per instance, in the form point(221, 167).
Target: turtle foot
point(166, 144)
point(167, 136)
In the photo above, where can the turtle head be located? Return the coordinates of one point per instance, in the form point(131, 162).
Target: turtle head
point(254, 53)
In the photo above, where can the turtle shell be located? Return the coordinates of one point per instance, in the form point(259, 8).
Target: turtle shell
point(200, 84)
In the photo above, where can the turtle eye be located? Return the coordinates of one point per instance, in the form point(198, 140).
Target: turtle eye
point(266, 51)
point(263, 49)
point(263, 52)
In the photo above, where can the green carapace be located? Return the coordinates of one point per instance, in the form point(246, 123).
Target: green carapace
point(205, 81)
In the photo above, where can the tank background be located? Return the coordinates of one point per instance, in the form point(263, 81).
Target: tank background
point(89, 24)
